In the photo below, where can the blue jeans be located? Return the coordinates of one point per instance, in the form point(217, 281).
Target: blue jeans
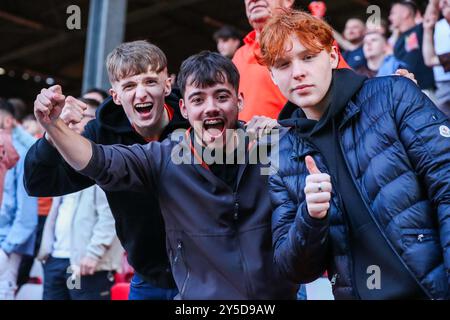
point(94, 287)
point(301, 293)
point(142, 290)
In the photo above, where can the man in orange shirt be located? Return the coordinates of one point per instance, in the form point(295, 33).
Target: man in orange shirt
point(261, 95)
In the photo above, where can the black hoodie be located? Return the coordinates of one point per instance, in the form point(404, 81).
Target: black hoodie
point(368, 247)
point(139, 223)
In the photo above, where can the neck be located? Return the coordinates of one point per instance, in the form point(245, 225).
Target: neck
point(357, 42)
point(258, 26)
point(154, 132)
point(316, 112)
point(374, 63)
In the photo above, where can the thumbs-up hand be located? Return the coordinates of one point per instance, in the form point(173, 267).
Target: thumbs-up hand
point(317, 190)
point(48, 105)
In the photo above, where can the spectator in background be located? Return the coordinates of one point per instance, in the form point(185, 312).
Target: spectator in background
point(228, 41)
point(408, 47)
point(79, 239)
point(436, 49)
point(8, 157)
point(382, 27)
point(20, 108)
point(379, 62)
point(33, 127)
point(352, 42)
point(18, 212)
point(262, 97)
point(96, 94)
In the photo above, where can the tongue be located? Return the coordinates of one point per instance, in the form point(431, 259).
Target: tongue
point(215, 130)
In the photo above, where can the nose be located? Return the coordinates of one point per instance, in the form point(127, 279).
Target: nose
point(298, 70)
point(211, 108)
point(140, 93)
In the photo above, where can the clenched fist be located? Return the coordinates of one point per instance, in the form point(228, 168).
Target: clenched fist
point(48, 105)
point(317, 190)
point(73, 111)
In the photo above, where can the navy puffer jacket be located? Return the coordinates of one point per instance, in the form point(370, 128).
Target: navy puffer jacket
point(397, 147)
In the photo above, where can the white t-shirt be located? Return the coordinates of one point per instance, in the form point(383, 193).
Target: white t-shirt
point(61, 246)
point(441, 46)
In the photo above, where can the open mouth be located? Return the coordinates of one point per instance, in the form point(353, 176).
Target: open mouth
point(144, 108)
point(257, 7)
point(214, 127)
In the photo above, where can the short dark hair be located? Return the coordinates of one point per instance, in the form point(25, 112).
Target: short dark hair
point(7, 107)
point(206, 69)
point(90, 102)
point(411, 4)
point(101, 92)
point(227, 32)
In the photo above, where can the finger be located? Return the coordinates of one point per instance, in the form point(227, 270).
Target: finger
point(38, 107)
point(58, 98)
point(321, 197)
point(76, 103)
point(56, 89)
point(318, 207)
point(54, 97)
point(82, 269)
point(318, 178)
point(43, 100)
point(311, 165)
point(314, 187)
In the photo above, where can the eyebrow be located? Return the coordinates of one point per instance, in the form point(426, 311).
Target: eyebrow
point(215, 92)
point(143, 79)
point(195, 93)
point(222, 91)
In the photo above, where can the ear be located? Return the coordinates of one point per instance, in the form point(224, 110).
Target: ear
point(183, 109)
point(167, 87)
point(288, 3)
point(9, 123)
point(334, 57)
point(240, 101)
point(115, 96)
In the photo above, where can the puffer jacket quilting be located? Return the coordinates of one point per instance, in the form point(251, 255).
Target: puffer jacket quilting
point(397, 149)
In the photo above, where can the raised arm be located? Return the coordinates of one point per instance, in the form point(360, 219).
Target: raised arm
point(429, 21)
point(114, 168)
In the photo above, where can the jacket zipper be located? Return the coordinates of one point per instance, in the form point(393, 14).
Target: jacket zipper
point(378, 226)
point(352, 264)
point(242, 258)
point(181, 256)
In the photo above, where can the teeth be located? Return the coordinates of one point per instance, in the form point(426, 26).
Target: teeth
point(144, 105)
point(212, 122)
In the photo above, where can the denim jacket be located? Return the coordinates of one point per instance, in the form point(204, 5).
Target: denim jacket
point(18, 212)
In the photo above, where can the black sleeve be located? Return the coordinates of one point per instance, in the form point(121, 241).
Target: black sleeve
point(48, 175)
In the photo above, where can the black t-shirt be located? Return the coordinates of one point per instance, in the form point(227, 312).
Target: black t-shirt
point(408, 49)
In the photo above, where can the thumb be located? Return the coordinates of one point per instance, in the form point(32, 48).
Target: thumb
point(56, 89)
point(311, 165)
